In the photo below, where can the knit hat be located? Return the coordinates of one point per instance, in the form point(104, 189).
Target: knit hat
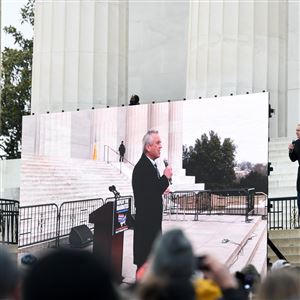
point(248, 278)
point(279, 264)
point(173, 255)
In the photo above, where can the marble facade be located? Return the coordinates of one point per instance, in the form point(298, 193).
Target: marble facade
point(93, 54)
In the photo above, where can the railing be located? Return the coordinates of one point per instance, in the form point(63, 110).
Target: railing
point(277, 252)
point(180, 204)
point(75, 213)
point(45, 223)
point(38, 223)
point(111, 155)
point(9, 213)
point(220, 202)
point(283, 213)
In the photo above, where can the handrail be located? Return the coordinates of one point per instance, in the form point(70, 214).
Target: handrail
point(275, 250)
point(116, 152)
point(106, 157)
point(283, 198)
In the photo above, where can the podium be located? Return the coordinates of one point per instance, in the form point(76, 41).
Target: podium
point(110, 222)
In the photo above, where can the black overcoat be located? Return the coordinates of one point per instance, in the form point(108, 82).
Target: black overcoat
point(147, 189)
point(295, 155)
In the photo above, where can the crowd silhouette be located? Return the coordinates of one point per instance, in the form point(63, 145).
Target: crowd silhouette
point(172, 271)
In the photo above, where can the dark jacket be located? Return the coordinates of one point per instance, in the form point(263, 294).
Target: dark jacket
point(295, 155)
point(147, 190)
point(122, 149)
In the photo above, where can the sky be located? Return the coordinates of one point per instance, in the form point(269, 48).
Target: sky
point(242, 118)
point(11, 16)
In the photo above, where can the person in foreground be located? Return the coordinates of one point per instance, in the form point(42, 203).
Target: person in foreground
point(173, 272)
point(148, 187)
point(69, 274)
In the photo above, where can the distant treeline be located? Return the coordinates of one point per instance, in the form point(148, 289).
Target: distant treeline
point(213, 162)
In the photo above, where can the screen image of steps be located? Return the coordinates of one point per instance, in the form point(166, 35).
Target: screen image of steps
point(217, 147)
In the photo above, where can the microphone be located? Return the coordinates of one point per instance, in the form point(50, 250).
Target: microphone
point(293, 142)
point(166, 164)
point(113, 189)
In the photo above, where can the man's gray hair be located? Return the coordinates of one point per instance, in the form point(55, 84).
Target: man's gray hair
point(148, 139)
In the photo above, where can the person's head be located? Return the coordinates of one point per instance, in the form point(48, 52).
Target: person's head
point(171, 266)
point(69, 274)
point(152, 144)
point(298, 131)
point(172, 256)
point(9, 276)
point(280, 264)
point(134, 100)
point(122, 142)
point(248, 279)
point(279, 285)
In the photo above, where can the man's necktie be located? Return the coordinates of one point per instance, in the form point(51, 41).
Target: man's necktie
point(157, 172)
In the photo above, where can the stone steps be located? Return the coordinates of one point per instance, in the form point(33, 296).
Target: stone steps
point(278, 183)
point(287, 176)
point(287, 191)
point(254, 249)
point(281, 143)
point(288, 242)
point(48, 180)
point(283, 234)
point(282, 180)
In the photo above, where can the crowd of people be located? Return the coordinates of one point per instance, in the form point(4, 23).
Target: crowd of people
point(172, 271)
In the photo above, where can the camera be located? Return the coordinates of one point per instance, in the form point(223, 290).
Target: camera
point(200, 265)
point(246, 281)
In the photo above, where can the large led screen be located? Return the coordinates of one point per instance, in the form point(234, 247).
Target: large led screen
point(217, 148)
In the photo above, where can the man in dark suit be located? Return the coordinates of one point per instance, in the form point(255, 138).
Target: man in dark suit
point(148, 187)
point(122, 150)
point(294, 154)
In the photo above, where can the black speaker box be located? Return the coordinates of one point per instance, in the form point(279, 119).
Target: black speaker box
point(80, 236)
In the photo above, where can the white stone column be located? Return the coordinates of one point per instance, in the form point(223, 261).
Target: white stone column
point(105, 120)
point(121, 120)
point(30, 135)
point(81, 131)
point(175, 135)
point(40, 98)
point(157, 49)
point(159, 120)
point(54, 135)
point(277, 62)
point(80, 55)
point(293, 76)
point(136, 127)
point(239, 47)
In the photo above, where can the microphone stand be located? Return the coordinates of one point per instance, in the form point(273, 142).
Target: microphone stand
point(114, 191)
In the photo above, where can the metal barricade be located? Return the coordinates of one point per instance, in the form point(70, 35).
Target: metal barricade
point(218, 202)
point(9, 214)
point(283, 213)
point(75, 213)
point(37, 224)
point(179, 204)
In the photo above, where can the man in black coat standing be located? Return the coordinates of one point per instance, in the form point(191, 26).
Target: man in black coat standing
point(122, 150)
point(294, 154)
point(148, 187)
